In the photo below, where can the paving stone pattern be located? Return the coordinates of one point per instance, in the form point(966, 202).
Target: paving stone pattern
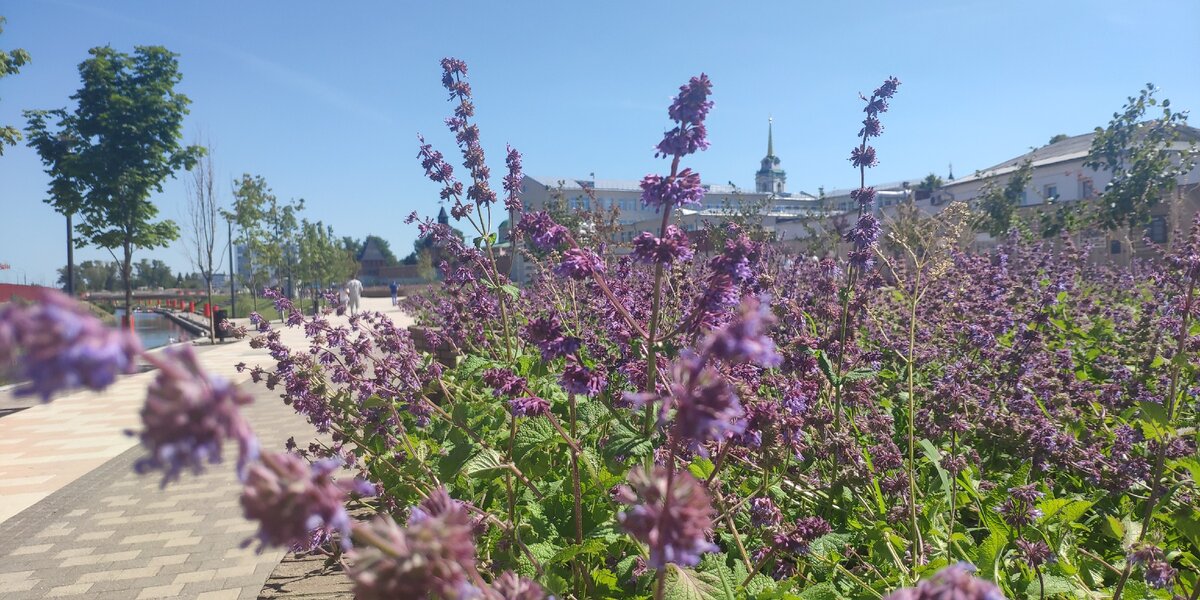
point(115, 534)
point(76, 521)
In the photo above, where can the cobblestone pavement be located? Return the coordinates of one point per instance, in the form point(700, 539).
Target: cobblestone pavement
point(78, 522)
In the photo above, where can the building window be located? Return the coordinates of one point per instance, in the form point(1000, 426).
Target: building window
point(1050, 192)
point(1023, 199)
point(1114, 247)
point(1086, 189)
point(1157, 232)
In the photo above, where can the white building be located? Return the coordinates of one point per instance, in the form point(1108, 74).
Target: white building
point(770, 200)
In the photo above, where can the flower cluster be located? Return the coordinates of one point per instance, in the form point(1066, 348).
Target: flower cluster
point(684, 189)
point(290, 499)
point(62, 346)
point(670, 513)
point(188, 415)
point(865, 232)
point(955, 582)
point(670, 248)
point(688, 110)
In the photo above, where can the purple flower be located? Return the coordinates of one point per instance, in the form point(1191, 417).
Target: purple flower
point(579, 263)
point(863, 156)
point(530, 406)
point(547, 334)
point(1019, 508)
point(800, 535)
point(745, 338)
point(954, 582)
point(1160, 574)
point(61, 346)
point(691, 106)
point(187, 416)
point(672, 247)
point(706, 407)
point(864, 196)
point(764, 513)
point(503, 382)
point(511, 586)
point(512, 181)
point(1035, 553)
point(579, 379)
point(683, 189)
point(672, 520)
point(290, 498)
point(542, 231)
point(871, 127)
point(432, 557)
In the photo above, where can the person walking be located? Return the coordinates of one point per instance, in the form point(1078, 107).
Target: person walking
point(395, 291)
point(353, 293)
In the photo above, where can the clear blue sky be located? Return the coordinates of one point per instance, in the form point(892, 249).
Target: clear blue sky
point(325, 99)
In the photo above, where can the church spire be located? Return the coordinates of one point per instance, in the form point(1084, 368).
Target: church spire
point(770, 178)
point(770, 137)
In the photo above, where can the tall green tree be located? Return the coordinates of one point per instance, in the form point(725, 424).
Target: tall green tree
point(251, 196)
point(10, 64)
point(998, 200)
point(323, 258)
point(1143, 158)
point(116, 147)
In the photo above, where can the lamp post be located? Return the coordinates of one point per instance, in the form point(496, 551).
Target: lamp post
point(232, 285)
point(70, 259)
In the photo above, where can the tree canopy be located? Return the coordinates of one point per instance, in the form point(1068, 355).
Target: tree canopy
point(116, 147)
point(10, 64)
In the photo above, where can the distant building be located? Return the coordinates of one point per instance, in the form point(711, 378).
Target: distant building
point(769, 200)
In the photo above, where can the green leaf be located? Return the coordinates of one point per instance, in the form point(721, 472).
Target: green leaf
point(627, 444)
point(686, 584)
point(533, 434)
point(987, 557)
point(485, 464)
point(1054, 584)
point(701, 467)
point(511, 290)
point(472, 365)
point(1154, 420)
point(590, 547)
point(826, 367)
point(1113, 527)
point(859, 373)
point(821, 591)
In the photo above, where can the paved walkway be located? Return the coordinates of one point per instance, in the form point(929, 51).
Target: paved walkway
point(76, 521)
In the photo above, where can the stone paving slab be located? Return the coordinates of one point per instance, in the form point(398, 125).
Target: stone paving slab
point(114, 534)
point(76, 521)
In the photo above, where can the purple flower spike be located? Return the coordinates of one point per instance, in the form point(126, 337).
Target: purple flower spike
point(954, 582)
point(672, 247)
point(432, 557)
point(542, 231)
point(672, 522)
point(745, 339)
point(510, 586)
point(547, 334)
point(531, 406)
point(62, 347)
point(764, 513)
point(579, 263)
point(688, 110)
point(187, 417)
point(706, 407)
point(290, 498)
point(683, 189)
point(579, 379)
point(504, 382)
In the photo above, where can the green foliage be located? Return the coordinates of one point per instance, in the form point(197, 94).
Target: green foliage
point(11, 62)
point(115, 148)
point(1142, 158)
point(268, 229)
point(998, 202)
point(322, 259)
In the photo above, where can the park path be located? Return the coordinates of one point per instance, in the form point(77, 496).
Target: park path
point(76, 521)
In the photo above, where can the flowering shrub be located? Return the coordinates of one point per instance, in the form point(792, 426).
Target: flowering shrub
point(708, 417)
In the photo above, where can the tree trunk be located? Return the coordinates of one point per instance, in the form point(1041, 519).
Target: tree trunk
point(212, 314)
point(127, 276)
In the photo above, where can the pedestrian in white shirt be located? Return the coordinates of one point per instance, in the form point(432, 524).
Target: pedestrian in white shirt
point(353, 292)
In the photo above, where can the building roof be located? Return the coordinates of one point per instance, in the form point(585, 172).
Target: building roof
point(634, 185)
point(1072, 148)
